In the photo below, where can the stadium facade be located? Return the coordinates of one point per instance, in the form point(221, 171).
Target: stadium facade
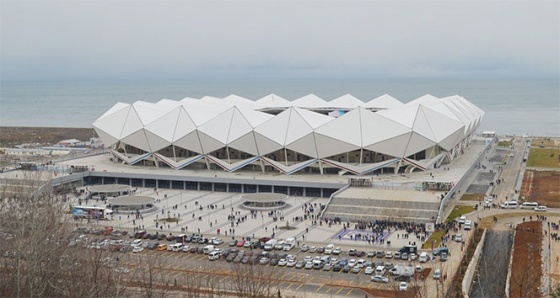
point(309, 134)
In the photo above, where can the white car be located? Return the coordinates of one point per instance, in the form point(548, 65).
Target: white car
point(388, 255)
point(291, 263)
point(308, 259)
point(541, 209)
point(352, 263)
point(313, 249)
point(309, 265)
point(137, 249)
point(290, 257)
point(337, 251)
point(217, 241)
point(403, 286)
point(369, 270)
point(462, 219)
point(282, 262)
point(379, 278)
point(457, 237)
point(136, 242)
point(186, 248)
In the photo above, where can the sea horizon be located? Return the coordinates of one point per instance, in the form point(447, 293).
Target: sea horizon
point(511, 106)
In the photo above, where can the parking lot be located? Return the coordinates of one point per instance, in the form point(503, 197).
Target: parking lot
point(190, 262)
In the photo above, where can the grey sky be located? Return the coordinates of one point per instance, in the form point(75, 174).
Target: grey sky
point(98, 40)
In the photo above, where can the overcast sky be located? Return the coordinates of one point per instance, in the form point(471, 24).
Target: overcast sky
point(136, 40)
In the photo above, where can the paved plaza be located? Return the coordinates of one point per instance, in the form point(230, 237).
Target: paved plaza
point(210, 213)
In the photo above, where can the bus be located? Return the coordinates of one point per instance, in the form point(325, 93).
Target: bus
point(91, 212)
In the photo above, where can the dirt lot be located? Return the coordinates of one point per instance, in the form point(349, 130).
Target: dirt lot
point(12, 136)
point(542, 187)
point(526, 266)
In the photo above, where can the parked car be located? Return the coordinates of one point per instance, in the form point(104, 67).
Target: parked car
point(291, 263)
point(304, 248)
point(301, 264)
point(337, 267)
point(403, 286)
point(541, 209)
point(368, 270)
point(282, 262)
point(162, 247)
point(379, 278)
point(337, 251)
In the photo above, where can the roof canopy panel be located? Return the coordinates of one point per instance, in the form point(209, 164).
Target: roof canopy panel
point(346, 101)
point(273, 101)
point(384, 101)
point(310, 101)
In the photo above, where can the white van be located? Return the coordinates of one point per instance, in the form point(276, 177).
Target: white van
point(207, 249)
point(213, 255)
point(468, 225)
point(423, 258)
point(529, 205)
point(509, 205)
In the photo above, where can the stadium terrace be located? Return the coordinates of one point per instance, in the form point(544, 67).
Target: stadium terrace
point(272, 134)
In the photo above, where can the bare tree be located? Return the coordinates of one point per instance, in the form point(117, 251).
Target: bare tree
point(36, 260)
point(151, 278)
point(253, 280)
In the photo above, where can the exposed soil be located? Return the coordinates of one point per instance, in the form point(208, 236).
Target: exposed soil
point(542, 187)
point(526, 271)
point(12, 136)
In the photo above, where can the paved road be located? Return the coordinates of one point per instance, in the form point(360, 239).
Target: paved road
point(493, 267)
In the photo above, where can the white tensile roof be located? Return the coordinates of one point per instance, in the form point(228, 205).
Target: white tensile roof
point(346, 102)
point(383, 102)
point(383, 125)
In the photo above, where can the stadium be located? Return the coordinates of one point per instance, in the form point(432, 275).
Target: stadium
point(342, 136)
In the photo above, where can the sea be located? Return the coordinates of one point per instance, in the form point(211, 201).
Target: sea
point(512, 107)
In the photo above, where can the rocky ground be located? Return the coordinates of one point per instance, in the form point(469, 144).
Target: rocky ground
point(12, 136)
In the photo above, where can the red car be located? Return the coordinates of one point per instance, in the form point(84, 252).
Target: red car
point(240, 243)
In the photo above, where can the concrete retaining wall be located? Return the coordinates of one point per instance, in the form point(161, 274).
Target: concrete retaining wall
point(471, 269)
point(508, 279)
